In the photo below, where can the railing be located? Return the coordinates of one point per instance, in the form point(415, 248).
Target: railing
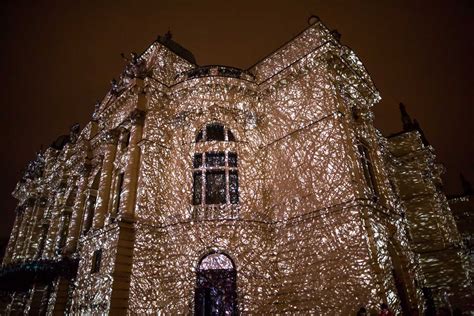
point(214, 71)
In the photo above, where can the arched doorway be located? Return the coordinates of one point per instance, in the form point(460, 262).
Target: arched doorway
point(215, 286)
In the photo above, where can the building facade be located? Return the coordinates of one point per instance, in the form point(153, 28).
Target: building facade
point(216, 190)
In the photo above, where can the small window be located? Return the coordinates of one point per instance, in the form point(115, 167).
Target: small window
point(230, 136)
point(89, 213)
point(96, 261)
point(368, 168)
point(118, 190)
point(197, 160)
point(199, 137)
point(197, 185)
point(125, 139)
point(215, 132)
point(234, 187)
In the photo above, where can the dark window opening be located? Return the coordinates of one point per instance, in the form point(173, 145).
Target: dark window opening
point(119, 189)
point(215, 187)
point(368, 169)
point(199, 136)
point(230, 136)
point(215, 132)
point(234, 187)
point(125, 139)
point(96, 261)
point(90, 206)
point(197, 185)
point(220, 177)
point(214, 159)
point(197, 162)
point(232, 159)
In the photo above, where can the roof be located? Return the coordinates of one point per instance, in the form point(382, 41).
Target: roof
point(176, 48)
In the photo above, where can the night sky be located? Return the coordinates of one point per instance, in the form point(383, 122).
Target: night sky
point(56, 60)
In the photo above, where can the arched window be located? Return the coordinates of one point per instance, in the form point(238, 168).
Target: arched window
point(215, 173)
point(215, 286)
point(215, 132)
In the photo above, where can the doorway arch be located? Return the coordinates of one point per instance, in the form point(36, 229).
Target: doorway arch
point(216, 290)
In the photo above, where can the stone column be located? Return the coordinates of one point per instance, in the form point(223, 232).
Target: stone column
point(103, 195)
point(78, 211)
point(133, 163)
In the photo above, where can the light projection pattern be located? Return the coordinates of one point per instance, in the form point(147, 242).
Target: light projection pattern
point(308, 234)
point(435, 238)
point(295, 159)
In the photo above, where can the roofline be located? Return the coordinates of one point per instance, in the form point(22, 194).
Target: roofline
point(284, 44)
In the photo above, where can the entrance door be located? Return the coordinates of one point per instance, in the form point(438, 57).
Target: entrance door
point(215, 286)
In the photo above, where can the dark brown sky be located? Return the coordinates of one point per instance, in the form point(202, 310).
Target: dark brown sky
point(57, 59)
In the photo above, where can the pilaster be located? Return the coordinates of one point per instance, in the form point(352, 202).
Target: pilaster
point(78, 212)
point(110, 150)
point(122, 269)
point(132, 169)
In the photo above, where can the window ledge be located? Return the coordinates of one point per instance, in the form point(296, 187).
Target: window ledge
point(215, 211)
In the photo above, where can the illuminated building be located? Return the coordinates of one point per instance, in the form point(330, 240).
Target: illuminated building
point(210, 189)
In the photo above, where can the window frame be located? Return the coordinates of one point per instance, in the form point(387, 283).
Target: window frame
point(368, 168)
point(96, 261)
point(201, 135)
point(200, 195)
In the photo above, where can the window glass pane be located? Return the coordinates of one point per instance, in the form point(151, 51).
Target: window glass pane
point(232, 159)
point(230, 136)
point(369, 173)
point(215, 187)
point(197, 162)
point(199, 136)
point(197, 188)
point(214, 159)
point(215, 132)
point(119, 192)
point(234, 187)
point(96, 261)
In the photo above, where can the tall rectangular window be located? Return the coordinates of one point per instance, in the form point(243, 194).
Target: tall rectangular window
point(215, 187)
point(96, 261)
point(118, 189)
point(90, 206)
point(197, 185)
point(219, 174)
point(368, 168)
